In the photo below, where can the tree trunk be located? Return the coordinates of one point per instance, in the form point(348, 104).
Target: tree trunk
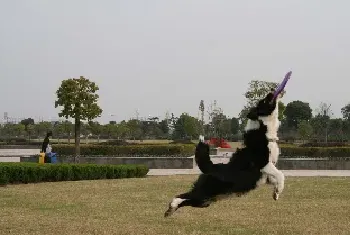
point(77, 140)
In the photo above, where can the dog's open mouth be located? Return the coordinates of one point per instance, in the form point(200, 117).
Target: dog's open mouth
point(281, 87)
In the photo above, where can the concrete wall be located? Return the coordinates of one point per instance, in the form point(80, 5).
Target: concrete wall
point(313, 164)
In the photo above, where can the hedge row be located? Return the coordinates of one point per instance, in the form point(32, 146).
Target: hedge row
point(186, 150)
point(326, 145)
point(315, 152)
point(140, 150)
point(12, 173)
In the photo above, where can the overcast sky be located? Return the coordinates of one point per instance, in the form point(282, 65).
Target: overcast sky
point(160, 55)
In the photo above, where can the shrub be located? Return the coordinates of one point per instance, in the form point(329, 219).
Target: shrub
point(182, 141)
point(315, 152)
point(114, 142)
point(15, 140)
point(13, 173)
point(139, 150)
point(320, 144)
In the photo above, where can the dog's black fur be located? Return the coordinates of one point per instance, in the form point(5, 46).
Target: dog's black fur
point(238, 176)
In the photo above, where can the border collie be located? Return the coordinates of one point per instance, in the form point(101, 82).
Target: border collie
point(248, 167)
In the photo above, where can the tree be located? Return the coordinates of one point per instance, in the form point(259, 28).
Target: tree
point(58, 130)
point(297, 111)
point(67, 128)
point(42, 128)
point(95, 129)
point(78, 98)
point(221, 124)
point(305, 130)
point(134, 128)
point(164, 126)
point(346, 111)
point(110, 130)
point(186, 127)
point(26, 122)
point(258, 90)
point(172, 123)
point(281, 109)
point(19, 129)
point(225, 128)
point(336, 130)
point(323, 117)
point(201, 110)
point(216, 119)
point(30, 130)
point(234, 126)
point(122, 130)
point(85, 131)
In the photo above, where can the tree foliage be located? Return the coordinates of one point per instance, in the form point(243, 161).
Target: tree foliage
point(322, 119)
point(186, 127)
point(297, 111)
point(27, 121)
point(258, 90)
point(305, 130)
point(78, 99)
point(234, 126)
point(346, 111)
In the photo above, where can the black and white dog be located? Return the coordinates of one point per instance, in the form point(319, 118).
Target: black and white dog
point(248, 168)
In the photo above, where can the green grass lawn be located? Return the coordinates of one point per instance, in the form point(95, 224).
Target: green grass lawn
point(308, 205)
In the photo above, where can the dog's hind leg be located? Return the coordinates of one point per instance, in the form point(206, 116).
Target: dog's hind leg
point(185, 199)
point(278, 176)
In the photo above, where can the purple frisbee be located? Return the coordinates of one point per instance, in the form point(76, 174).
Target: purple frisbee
point(280, 88)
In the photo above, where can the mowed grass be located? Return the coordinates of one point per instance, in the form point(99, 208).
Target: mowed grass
point(308, 205)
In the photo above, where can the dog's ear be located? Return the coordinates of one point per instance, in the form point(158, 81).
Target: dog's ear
point(253, 114)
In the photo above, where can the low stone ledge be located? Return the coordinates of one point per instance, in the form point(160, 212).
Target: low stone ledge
point(313, 164)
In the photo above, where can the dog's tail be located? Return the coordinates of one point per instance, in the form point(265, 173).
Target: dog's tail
point(202, 156)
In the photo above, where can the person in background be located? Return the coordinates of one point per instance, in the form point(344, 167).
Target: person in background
point(46, 142)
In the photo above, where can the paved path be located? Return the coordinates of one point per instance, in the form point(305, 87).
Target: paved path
point(18, 152)
point(286, 172)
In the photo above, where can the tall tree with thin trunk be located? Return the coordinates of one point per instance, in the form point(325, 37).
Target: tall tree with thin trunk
point(201, 109)
point(78, 99)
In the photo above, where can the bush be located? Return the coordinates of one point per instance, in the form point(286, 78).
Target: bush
point(315, 152)
point(139, 150)
point(13, 173)
point(114, 142)
point(182, 141)
point(320, 144)
point(15, 140)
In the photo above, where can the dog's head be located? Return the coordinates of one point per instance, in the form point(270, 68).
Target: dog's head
point(265, 107)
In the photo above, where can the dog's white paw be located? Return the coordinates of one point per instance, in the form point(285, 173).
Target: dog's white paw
point(201, 138)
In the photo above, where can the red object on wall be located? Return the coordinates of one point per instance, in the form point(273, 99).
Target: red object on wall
point(222, 143)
